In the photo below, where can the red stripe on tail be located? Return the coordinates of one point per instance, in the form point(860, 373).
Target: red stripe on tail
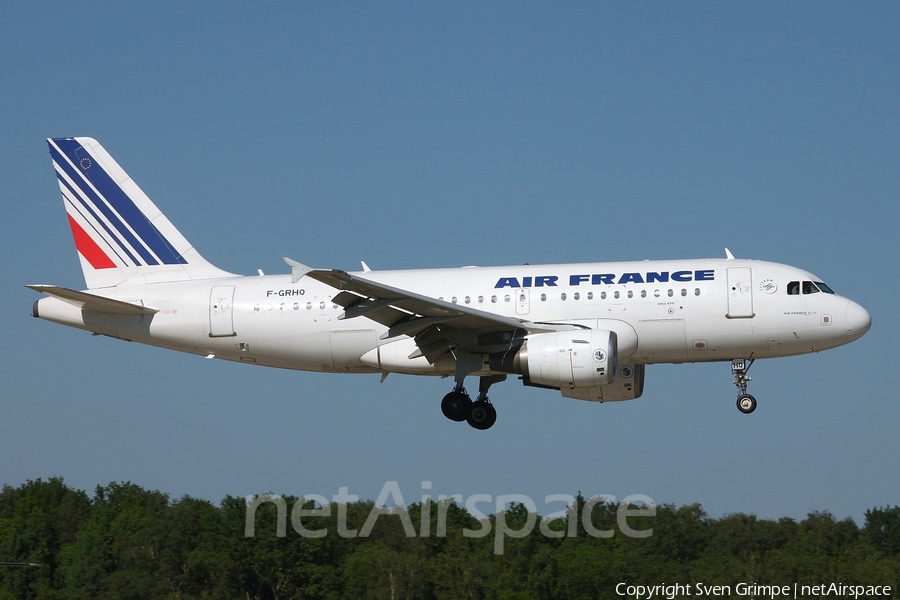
point(89, 248)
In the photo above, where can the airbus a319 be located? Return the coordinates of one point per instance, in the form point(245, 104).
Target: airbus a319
point(587, 330)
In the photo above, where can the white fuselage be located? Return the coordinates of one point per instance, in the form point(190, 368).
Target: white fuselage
point(662, 312)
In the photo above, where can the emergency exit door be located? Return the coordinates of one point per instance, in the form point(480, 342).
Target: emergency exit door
point(523, 301)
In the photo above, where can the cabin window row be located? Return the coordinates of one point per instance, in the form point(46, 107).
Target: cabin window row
point(296, 306)
point(616, 295)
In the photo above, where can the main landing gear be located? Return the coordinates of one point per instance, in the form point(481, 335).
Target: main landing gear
point(745, 402)
point(480, 414)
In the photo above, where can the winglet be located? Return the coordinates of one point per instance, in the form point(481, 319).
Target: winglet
point(298, 270)
point(728, 254)
point(365, 266)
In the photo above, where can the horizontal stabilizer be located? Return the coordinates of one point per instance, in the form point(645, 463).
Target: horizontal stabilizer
point(92, 302)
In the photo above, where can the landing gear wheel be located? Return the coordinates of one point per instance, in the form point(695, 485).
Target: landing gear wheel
point(482, 415)
point(746, 403)
point(456, 406)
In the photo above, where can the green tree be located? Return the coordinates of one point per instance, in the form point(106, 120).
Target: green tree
point(882, 527)
point(680, 537)
point(37, 520)
point(117, 551)
point(743, 549)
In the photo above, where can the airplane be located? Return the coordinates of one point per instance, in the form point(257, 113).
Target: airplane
point(587, 330)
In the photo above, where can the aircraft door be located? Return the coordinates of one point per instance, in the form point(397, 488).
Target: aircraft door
point(740, 293)
point(221, 321)
point(523, 301)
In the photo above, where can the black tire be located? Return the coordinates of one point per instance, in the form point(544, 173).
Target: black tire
point(482, 416)
point(456, 406)
point(746, 403)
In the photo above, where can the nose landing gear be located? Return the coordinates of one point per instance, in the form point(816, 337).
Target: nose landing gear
point(745, 402)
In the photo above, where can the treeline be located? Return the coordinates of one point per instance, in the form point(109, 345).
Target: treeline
point(127, 542)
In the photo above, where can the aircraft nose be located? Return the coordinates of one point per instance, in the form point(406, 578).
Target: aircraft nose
point(858, 320)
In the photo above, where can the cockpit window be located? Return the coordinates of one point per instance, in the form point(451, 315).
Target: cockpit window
point(808, 287)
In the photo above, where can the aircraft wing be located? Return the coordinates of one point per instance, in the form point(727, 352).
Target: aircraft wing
point(437, 325)
point(92, 302)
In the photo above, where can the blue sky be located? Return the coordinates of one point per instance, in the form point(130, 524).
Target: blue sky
point(418, 135)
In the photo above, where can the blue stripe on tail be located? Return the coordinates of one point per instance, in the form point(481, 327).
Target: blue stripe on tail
point(88, 169)
point(95, 219)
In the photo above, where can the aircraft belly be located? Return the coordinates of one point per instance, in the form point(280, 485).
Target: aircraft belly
point(662, 340)
point(348, 346)
point(733, 338)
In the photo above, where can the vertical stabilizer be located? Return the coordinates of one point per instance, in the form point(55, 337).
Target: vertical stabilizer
point(120, 235)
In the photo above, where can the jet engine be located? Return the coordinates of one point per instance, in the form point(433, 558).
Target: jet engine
point(584, 358)
point(628, 385)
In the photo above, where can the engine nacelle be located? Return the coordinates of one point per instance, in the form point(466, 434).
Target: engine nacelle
point(628, 385)
point(583, 358)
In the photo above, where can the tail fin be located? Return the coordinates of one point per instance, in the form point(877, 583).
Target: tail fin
point(121, 236)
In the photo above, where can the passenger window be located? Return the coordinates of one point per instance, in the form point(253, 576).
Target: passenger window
point(616, 295)
point(562, 296)
point(810, 288)
point(794, 288)
point(590, 295)
point(543, 297)
point(576, 296)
